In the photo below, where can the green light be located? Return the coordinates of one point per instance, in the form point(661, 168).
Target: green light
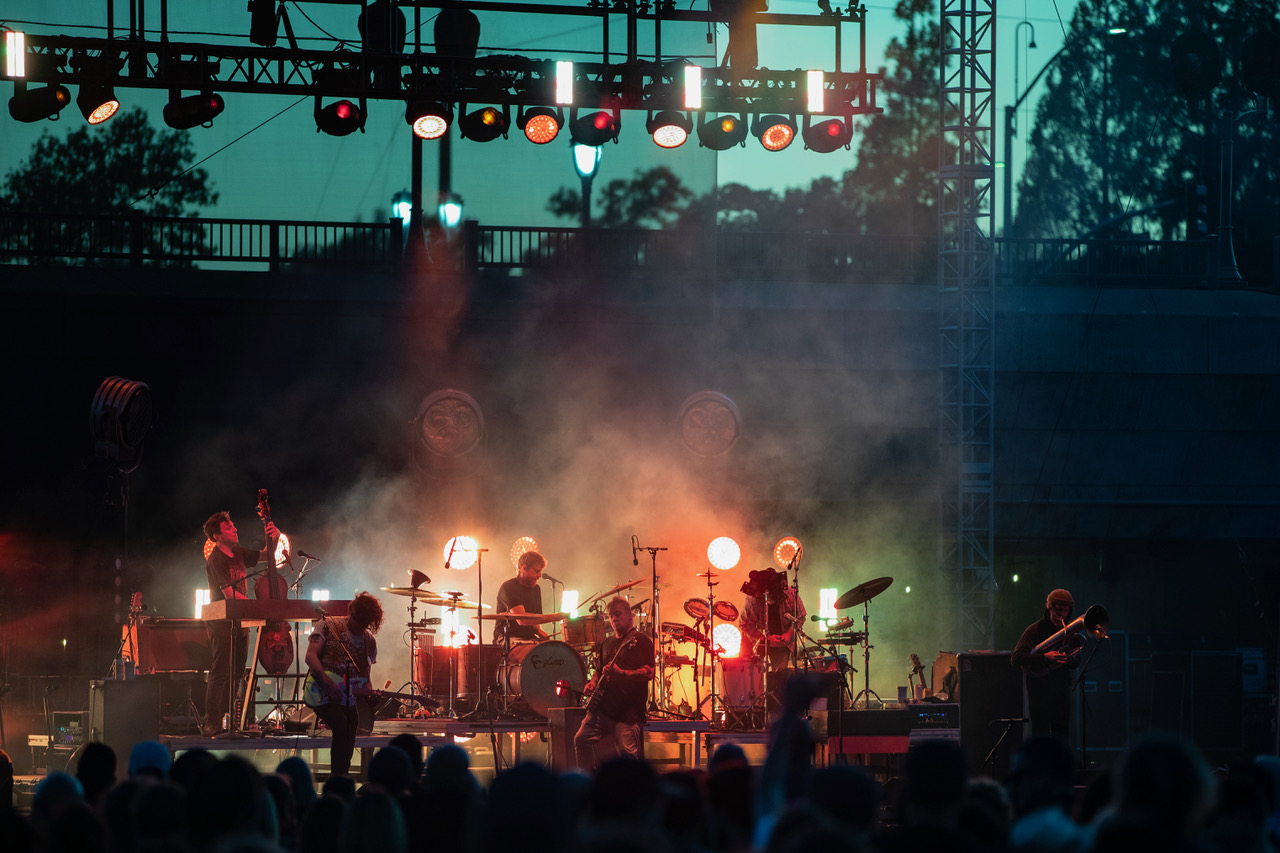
point(1015, 578)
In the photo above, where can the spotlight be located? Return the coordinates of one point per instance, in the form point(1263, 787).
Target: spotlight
point(669, 128)
point(184, 113)
point(723, 132)
point(774, 132)
point(485, 125)
point(826, 136)
point(723, 553)
point(37, 104)
point(340, 118)
point(520, 546)
point(540, 124)
point(787, 549)
point(429, 119)
point(596, 128)
point(97, 103)
point(461, 552)
point(726, 639)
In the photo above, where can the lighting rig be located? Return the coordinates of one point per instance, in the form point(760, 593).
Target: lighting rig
point(722, 105)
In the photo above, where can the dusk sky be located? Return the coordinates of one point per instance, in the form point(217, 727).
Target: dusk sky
point(284, 169)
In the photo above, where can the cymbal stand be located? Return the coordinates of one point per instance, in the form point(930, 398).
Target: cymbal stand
point(454, 650)
point(794, 567)
point(711, 647)
point(866, 659)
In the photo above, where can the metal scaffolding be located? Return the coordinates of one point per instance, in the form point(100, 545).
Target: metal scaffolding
point(966, 284)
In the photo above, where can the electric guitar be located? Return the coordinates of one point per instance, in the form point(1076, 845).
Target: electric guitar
point(917, 669)
point(315, 693)
point(596, 696)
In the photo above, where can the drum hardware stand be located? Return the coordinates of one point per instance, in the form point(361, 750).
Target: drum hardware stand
point(866, 691)
point(711, 647)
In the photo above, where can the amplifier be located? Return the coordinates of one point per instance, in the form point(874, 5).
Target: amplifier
point(168, 645)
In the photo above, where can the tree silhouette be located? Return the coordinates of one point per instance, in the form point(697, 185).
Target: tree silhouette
point(124, 166)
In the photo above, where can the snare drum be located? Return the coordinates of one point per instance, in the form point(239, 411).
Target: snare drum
point(743, 682)
point(532, 671)
point(584, 631)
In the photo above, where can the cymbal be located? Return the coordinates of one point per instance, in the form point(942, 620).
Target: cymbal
point(455, 603)
point(707, 574)
point(862, 593)
point(523, 618)
point(411, 592)
point(620, 587)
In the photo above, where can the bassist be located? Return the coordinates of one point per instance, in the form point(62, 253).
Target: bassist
point(340, 656)
point(619, 692)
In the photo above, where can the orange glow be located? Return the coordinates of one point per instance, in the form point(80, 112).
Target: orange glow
point(541, 129)
point(489, 116)
point(726, 640)
point(777, 137)
point(787, 548)
point(103, 111)
point(728, 123)
point(208, 548)
point(521, 546)
point(461, 552)
point(723, 553)
point(282, 550)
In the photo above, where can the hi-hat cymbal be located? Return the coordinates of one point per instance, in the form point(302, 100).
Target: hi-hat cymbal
point(412, 592)
point(862, 593)
point(524, 618)
point(708, 574)
point(455, 603)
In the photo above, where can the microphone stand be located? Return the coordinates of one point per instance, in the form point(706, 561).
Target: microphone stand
point(661, 704)
point(1084, 715)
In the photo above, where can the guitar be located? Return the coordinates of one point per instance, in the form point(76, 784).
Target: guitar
point(596, 696)
point(315, 694)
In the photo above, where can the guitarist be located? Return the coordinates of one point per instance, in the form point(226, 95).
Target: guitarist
point(227, 570)
point(619, 693)
point(1048, 674)
point(340, 651)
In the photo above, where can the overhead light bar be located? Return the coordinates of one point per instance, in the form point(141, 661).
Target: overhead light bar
point(97, 103)
point(485, 124)
point(340, 118)
point(37, 104)
point(826, 136)
point(693, 87)
point(723, 132)
point(193, 110)
point(669, 128)
point(816, 91)
point(774, 132)
point(429, 119)
point(540, 124)
point(595, 128)
point(15, 53)
point(564, 82)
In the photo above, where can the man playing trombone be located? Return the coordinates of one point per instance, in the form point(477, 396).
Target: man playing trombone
point(1047, 666)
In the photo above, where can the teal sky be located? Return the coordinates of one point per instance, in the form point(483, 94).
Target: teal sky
point(284, 169)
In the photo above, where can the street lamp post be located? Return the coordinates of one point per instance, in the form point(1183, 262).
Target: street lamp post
point(1009, 112)
point(586, 159)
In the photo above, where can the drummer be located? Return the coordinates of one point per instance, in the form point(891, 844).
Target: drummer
point(772, 625)
point(520, 594)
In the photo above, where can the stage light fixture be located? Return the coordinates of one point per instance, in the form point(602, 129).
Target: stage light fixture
point(726, 639)
point(429, 119)
point(693, 87)
point(826, 136)
point(723, 132)
point(15, 53)
point(596, 128)
point(193, 110)
point(564, 82)
point(37, 104)
point(520, 547)
point(485, 124)
point(97, 103)
point(815, 89)
point(340, 118)
point(669, 128)
point(787, 549)
point(540, 124)
point(723, 553)
point(774, 132)
point(264, 22)
point(461, 552)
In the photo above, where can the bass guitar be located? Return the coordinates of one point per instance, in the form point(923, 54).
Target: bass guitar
point(597, 695)
point(315, 693)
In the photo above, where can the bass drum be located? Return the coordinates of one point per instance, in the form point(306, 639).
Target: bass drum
point(533, 669)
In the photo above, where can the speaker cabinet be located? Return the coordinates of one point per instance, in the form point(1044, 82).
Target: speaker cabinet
point(990, 689)
point(122, 713)
point(565, 723)
point(1105, 691)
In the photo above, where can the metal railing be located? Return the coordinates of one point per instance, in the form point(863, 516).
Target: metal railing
point(722, 254)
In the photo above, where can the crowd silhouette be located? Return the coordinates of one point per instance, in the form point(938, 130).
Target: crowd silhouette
point(1162, 795)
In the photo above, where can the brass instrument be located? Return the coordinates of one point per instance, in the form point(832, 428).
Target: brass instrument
point(1094, 622)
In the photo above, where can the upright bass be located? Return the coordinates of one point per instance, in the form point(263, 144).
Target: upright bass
point(275, 640)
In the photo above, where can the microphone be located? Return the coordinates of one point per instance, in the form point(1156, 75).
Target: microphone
point(547, 577)
point(302, 553)
point(321, 611)
point(635, 546)
point(453, 543)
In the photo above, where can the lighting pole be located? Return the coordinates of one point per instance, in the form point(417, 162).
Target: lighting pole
point(586, 160)
point(1010, 110)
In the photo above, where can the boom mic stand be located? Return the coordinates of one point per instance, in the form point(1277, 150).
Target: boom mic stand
point(660, 704)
